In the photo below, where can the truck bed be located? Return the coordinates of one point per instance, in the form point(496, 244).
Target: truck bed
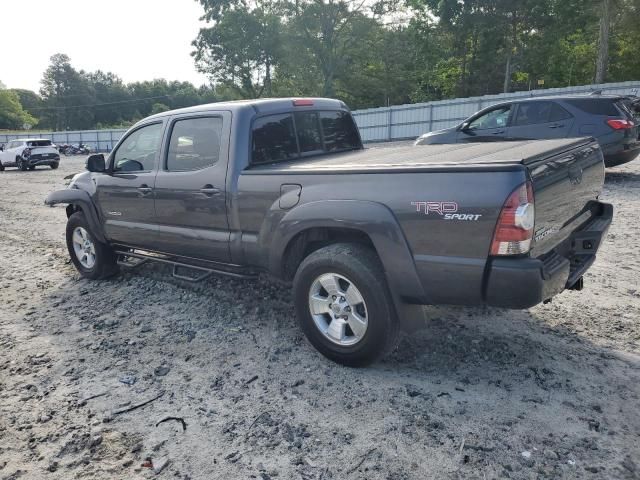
point(491, 156)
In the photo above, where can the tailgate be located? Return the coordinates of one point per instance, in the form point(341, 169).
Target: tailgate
point(566, 185)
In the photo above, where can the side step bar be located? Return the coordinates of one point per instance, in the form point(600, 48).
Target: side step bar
point(133, 259)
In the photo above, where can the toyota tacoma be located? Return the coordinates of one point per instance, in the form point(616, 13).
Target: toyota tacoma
point(364, 236)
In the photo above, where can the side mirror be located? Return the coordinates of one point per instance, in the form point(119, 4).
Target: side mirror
point(463, 126)
point(96, 163)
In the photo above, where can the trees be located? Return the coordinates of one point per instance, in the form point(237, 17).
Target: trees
point(240, 50)
point(12, 115)
point(368, 53)
point(66, 93)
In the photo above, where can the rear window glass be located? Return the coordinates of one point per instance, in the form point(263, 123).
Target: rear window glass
point(530, 113)
point(595, 106)
point(40, 143)
point(340, 132)
point(274, 136)
point(308, 128)
point(274, 139)
point(631, 108)
point(558, 113)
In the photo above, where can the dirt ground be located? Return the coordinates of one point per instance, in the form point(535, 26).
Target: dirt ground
point(552, 392)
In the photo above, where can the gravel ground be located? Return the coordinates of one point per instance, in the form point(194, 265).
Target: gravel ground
point(552, 392)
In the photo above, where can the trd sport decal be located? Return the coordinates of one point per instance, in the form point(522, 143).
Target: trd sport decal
point(447, 210)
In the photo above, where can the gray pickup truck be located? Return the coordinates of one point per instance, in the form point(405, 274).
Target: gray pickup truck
point(284, 186)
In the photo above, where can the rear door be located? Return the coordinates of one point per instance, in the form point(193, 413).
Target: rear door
point(125, 193)
point(488, 126)
point(540, 120)
point(190, 188)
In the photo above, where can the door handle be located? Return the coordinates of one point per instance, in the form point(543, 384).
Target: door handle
point(209, 190)
point(556, 125)
point(144, 189)
point(497, 133)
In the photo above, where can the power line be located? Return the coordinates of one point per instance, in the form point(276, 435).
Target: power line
point(101, 104)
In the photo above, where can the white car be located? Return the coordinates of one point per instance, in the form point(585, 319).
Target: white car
point(28, 153)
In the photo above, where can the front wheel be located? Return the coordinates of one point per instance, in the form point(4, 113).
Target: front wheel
point(22, 164)
point(344, 306)
point(94, 260)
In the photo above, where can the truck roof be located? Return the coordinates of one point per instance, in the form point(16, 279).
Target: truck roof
point(261, 105)
point(501, 155)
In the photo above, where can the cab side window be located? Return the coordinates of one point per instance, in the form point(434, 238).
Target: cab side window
point(194, 144)
point(137, 153)
point(532, 113)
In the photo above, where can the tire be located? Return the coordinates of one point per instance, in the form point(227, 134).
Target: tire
point(53, 166)
point(100, 262)
point(349, 265)
point(1, 167)
point(32, 167)
point(22, 164)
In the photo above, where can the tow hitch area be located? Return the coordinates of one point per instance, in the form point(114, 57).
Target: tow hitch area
point(578, 285)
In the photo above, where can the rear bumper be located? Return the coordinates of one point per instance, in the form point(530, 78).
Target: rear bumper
point(625, 154)
point(525, 282)
point(35, 160)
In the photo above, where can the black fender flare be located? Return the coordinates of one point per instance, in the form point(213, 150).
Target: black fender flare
point(374, 219)
point(74, 196)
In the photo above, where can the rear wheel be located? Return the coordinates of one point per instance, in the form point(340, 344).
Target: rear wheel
point(91, 258)
point(1, 167)
point(344, 306)
point(54, 166)
point(22, 164)
point(32, 167)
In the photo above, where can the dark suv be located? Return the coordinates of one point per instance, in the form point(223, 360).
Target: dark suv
point(612, 120)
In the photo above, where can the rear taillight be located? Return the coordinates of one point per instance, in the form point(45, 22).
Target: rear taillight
point(514, 229)
point(620, 124)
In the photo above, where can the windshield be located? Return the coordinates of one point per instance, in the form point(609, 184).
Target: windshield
point(39, 143)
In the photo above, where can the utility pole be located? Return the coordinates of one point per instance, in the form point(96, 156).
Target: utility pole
point(603, 42)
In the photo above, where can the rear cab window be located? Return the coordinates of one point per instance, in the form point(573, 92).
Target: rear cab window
point(39, 143)
point(283, 137)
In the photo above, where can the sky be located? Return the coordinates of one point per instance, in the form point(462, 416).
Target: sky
point(135, 39)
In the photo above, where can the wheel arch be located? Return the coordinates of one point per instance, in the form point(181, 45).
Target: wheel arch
point(312, 225)
point(78, 200)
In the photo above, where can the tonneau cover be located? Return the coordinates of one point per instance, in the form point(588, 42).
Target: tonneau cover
point(497, 154)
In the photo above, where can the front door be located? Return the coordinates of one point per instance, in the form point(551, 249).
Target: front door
point(125, 193)
point(190, 188)
point(489, 126)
